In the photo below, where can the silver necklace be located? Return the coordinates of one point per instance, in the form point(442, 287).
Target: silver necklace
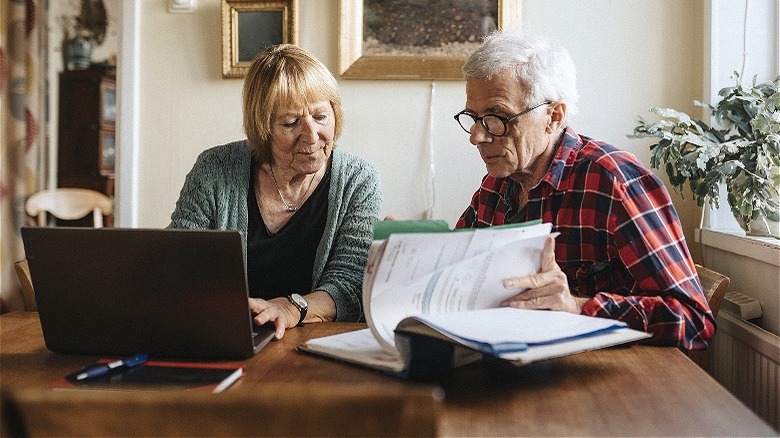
point(288, 206)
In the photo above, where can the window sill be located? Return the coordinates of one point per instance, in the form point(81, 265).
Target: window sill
point(764, 249)
point(751, 263)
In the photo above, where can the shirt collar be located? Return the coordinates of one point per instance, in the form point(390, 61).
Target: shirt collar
point(564, 155)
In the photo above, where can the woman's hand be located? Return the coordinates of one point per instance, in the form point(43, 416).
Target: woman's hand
point(547, 289)
point(285, 315)
point(280, 311)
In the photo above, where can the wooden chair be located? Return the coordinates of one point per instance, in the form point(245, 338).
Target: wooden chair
point(295, 409)
point(69, 204)
point(714, 285)
point(28, 293)
point(61, 203)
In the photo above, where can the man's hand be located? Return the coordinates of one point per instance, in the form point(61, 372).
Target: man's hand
point(547, 289)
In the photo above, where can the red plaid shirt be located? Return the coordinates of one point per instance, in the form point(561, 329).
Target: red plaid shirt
point(621, 243)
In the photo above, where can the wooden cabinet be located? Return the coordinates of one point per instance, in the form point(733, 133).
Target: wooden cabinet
point(87, 130)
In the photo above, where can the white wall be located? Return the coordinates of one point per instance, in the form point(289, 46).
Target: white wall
point(631, 56)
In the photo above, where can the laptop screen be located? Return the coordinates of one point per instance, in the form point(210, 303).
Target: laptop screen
point(163, 292)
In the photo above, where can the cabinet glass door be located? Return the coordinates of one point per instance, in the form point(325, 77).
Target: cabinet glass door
point(107, 153)
point(109, 105)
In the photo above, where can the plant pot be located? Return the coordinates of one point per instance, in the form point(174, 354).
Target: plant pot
point(759, 225)
point(764, 227)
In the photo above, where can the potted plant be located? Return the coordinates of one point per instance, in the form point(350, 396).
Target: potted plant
point(741, 150)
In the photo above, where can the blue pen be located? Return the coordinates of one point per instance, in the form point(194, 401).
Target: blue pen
point(99, 370)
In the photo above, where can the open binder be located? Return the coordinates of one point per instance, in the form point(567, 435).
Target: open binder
point(432, 303)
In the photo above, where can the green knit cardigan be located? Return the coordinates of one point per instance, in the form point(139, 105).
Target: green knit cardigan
point(214, 196)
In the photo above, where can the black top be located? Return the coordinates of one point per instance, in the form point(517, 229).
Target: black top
point(282, 263)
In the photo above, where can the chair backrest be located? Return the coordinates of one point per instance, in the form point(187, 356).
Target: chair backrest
point(714, 285)
point(62, 203)
point(69, 204)
point(25, 280)
point(295, 409)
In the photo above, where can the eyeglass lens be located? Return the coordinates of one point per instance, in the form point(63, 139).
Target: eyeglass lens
point(493, 124)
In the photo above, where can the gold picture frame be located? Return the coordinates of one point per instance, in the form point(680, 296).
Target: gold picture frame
point(249, 26)
point(356, 63)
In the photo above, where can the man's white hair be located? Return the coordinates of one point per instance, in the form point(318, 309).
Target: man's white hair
point(545, 70)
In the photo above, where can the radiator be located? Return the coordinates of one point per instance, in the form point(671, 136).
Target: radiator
point(745, 359)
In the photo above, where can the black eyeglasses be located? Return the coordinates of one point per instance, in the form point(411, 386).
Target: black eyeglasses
point(493, 123)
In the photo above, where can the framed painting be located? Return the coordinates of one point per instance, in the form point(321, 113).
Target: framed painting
point(416, 39)
point(249, 26)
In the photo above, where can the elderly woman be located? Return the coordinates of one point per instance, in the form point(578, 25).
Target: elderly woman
point(306, 209)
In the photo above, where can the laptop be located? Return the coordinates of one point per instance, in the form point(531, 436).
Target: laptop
point(123, 291)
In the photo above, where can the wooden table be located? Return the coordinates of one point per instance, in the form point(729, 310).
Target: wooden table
point(625, 391)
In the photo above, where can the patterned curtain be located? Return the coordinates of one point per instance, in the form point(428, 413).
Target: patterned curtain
point(23, 129)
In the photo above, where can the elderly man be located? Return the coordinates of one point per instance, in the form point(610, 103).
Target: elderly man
point(621, 252)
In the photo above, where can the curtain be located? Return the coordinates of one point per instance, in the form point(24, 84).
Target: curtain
point(23, 129)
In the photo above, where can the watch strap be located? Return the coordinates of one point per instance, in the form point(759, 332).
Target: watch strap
point(302, 309)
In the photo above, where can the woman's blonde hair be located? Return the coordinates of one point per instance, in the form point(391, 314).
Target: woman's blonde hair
point(283, 75)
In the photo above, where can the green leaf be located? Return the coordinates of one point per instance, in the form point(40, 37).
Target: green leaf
point(728, 168)
point(672, 114)
point(740, 150)
point(773, 102)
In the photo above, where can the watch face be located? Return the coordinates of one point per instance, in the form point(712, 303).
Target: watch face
point(299, 301)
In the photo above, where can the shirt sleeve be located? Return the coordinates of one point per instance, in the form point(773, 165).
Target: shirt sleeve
point(487, 207)
point(469, 216)
point(667, 300)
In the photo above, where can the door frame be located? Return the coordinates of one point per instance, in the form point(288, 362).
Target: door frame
point(126, 191)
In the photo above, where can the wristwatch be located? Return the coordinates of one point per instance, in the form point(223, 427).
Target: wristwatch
point(301, 304)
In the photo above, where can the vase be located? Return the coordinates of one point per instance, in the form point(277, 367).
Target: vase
point(78, 53)
point(760, 225)
point(764, 227)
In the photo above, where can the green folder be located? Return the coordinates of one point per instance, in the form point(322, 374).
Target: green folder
point(382, 229)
